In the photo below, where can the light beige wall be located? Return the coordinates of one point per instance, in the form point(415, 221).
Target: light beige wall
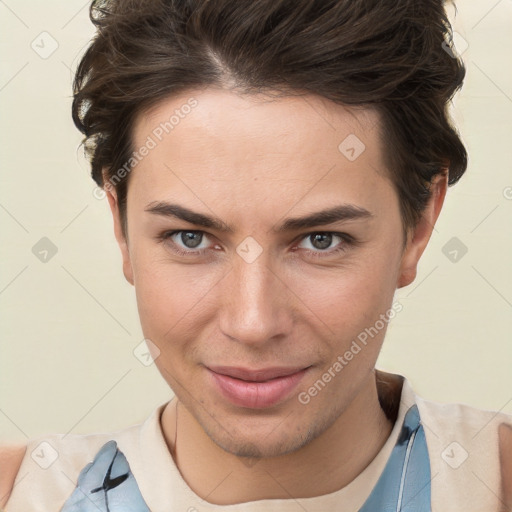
point(69, 326)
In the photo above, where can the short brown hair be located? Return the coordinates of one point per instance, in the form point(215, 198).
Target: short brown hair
point(393, 55)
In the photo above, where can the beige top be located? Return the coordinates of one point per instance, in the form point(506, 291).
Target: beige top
point(463, 446)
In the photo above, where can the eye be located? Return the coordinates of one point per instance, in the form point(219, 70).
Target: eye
point(325, 243)
point(317, 244)
point(185, 242)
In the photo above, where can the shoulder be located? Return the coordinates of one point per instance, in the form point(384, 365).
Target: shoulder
point(463, 421)
point(470, 452)
point(11, 457)
point(50, 467)
point(39, 476)
point(47, 470)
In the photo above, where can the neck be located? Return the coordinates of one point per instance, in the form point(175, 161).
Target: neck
point(325, 465)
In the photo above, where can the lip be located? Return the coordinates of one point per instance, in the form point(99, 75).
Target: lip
point(256, 389)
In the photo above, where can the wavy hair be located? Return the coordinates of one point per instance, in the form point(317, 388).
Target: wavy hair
point(392, 55)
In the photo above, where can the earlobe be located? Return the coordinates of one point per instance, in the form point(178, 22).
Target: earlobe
point(118, 231)
point(419, 236)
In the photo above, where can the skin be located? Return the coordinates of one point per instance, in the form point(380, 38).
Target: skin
point(251, 163)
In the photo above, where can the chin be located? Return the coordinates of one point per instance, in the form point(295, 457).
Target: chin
point(266, 439)
point(261, 448)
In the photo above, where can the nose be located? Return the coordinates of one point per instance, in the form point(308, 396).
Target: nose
point(256, 304)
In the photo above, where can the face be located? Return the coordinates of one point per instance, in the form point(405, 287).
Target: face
point(249, 294)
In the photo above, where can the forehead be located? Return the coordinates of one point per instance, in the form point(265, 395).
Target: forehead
point(254, 148)
point(217, 115)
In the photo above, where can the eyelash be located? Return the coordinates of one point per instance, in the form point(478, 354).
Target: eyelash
point(347, 240)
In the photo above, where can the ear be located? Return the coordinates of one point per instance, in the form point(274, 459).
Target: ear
point(111, 194)
point(418, 238)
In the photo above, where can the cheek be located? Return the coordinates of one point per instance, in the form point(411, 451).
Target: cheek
point(349, 298)
point(169, 295)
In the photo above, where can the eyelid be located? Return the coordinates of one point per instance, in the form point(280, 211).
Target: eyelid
point(344, 236)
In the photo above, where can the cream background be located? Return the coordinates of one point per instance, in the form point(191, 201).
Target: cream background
point(69, 326)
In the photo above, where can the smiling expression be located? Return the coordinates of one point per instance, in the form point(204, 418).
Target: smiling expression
point(259, 252)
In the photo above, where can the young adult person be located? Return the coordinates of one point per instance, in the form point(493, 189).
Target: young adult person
point(274, 171)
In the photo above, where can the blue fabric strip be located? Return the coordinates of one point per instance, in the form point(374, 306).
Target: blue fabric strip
point(404, 485)
point(106, 485)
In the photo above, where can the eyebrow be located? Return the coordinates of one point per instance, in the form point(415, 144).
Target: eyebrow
point(339, 213)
